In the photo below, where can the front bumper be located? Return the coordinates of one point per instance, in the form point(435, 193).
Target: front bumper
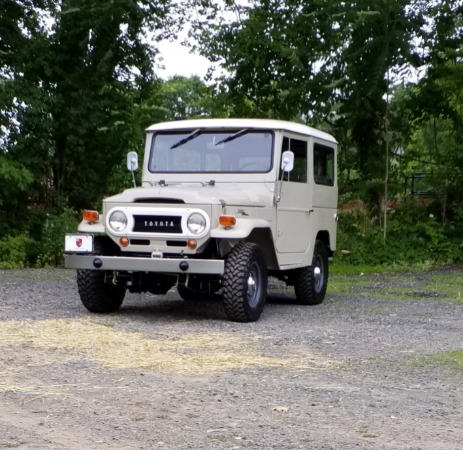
point(133, 264)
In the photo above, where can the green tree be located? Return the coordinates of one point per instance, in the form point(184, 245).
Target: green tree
point(276, 55)
point(190, 97)
point(378, 42)
point(435, 111)
point(327, 63)
point(77, 85)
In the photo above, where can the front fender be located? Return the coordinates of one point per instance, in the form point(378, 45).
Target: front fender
point(91, 227)
point(241, 230)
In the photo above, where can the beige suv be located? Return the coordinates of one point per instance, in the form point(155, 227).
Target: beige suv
point(223, 204)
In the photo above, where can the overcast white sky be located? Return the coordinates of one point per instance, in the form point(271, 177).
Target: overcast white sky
point(178, 60)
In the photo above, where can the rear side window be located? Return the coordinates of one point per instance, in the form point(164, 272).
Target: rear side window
point(323, 164)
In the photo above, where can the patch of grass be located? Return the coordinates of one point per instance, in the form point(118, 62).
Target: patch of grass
point(346, 284)
point(345, 269)
point(433, 287)
point(449, 285)
point(403, 294)
point(365, 433)
point(218, 437)
point(11, 443)
point(446, 285)
point(369, 435)
point(340, 268)
point(452, 359)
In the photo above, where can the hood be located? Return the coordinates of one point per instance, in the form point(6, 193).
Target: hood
point(197, 194)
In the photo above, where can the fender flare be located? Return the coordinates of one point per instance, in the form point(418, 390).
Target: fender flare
point(241, 230)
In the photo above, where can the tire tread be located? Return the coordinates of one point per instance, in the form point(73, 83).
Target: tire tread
point(304, 282)
point(234, 285)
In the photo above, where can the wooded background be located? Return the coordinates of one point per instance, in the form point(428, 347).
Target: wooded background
point(79, 83)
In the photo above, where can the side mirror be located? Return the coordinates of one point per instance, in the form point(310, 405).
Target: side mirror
point(132, 161)
point(287, 161)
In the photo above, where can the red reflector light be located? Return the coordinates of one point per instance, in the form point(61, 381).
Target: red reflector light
point(227, 221)
point(91, 216)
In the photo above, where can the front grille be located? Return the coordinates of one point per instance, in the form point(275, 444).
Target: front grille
point(157, 224)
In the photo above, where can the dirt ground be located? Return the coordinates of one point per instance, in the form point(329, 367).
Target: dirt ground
point(376, 366)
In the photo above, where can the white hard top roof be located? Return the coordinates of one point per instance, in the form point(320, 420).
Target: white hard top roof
point(242, 123)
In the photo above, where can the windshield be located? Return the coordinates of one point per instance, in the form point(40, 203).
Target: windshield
point(200, 151)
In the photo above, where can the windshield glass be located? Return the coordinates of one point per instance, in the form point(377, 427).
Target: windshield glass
point(199, 151)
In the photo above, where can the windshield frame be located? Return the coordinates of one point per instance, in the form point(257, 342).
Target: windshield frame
point(221, 139)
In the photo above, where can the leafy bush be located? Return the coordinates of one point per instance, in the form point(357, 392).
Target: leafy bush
point(42, 244)
point(49, 249)
point(413, 237)
point(14, 251)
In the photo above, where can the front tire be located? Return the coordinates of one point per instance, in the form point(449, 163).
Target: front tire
point(98, 294)
point(311, 282)
point(245, 283)
point(97, 289)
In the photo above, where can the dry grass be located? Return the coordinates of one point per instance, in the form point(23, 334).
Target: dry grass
point(52, 341)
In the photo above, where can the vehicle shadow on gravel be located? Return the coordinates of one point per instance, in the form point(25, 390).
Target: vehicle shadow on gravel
point(281, 298)
point(158, 308)
point(171, 306)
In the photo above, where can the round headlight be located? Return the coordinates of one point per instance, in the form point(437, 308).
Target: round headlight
point(118, 221)
point(196, 223)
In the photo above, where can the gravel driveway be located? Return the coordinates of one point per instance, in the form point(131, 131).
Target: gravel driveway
point(378, 365)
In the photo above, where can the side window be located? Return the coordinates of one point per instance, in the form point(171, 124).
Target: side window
point(323, 164)
point(299, 148)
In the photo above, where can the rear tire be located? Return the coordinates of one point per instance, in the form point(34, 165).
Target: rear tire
point(245, 283)
point(310, 282)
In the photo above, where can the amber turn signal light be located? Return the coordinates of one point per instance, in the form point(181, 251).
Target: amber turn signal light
point(124, 241)
point(91, 216)
point(192, 244)
point(227, 221)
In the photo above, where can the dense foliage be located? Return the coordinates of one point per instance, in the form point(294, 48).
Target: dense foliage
point(78, 84)
point(416, 237)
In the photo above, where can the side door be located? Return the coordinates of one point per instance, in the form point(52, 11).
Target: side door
point(295, 206)
point(325, 189)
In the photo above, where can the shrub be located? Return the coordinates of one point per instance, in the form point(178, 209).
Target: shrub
point(49, 248)
point(14, 251)
point(413, 237)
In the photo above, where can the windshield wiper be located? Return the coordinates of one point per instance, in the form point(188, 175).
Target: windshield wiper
point(233, 136)
point(187, 138)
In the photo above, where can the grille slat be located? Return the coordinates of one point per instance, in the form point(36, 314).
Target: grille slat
point(157, 224)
